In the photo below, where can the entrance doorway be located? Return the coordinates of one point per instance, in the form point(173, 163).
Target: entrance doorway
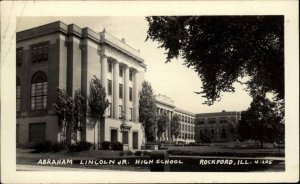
point(135, 140)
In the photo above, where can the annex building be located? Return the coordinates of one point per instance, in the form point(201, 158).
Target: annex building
point(63, 56)
point(217, 126)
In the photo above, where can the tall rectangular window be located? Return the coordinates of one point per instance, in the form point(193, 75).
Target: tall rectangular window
point(109, 87)
point(109, 67)
point(39, 52)
point(120, 71)
point(130, 94)
point(130, 114)
point(120, 90)
point(19, 54)
point(130, 75)
point(120, 111)
point(109, 110)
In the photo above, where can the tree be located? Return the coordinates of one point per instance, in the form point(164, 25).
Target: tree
point(79, 113)
point(162, 121)
point(147, 111)
point(97, 103)
point(224, 49)
point(261, 121)
point(175, 126)
point(64, 111)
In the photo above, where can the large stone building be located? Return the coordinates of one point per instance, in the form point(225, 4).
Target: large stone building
point(217, 126)
point(63, 56)
point(186, 120)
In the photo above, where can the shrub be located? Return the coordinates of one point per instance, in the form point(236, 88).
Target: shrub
point(57, 146)
point(138, 153)
point(42, 147)
point(48, 146)
point(126, 153)
point(81, 146)
point(117, 146)
point(105, 145)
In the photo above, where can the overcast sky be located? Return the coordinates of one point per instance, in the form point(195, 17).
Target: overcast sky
point(171, 79)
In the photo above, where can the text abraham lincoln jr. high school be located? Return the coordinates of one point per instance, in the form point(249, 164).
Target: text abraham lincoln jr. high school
point(67, 57)
point(63, 56)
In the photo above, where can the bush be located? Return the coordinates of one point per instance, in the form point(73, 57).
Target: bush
point(126, 153)
point(56, 147)
point(48, 146)
point(117, 146)
point(105, 145)
point(142, 153)
point(81, 146)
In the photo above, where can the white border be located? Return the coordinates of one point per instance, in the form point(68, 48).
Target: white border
point(9, 11)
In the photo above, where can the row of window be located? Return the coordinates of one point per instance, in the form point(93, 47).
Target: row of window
point(186, 136)
point(212, 122)
point(109, 69)
point(109, 90)
point(187, 128)
point(109, 111)
point(38, 94)
point(38, 53)
point(185, 119)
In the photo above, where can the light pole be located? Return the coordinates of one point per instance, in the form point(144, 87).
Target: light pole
point(124, 126)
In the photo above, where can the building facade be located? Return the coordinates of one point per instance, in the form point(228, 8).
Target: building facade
point(186, 120)
point(216, 127)
point(63, 56)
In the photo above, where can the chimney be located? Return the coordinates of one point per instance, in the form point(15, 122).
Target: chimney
point(123, 40)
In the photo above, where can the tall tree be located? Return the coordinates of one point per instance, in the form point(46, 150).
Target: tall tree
point(147, 111)
point(162, 122)
point(175, 126)
point(97, 103)
point(79, 113)
point(223, 49)
point(261, 121)
point(64, 111)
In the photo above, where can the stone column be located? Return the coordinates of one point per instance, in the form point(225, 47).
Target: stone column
point(136, 97)
point(116, 90)
point(103, 75)
point(126, 91)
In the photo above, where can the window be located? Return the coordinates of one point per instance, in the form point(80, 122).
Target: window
point(109, 67)
point(223, 133)
point(211, 121)
point(120, 90)
point(18, 95)
point(109, 110)
point(120, 71)
point(130, 75)
point(130, 94)
point(130, 114)
point(37, 132)
point(39, 52)
point(120, 111)
point(19, 53)
point(109, 87)
point(39, 91)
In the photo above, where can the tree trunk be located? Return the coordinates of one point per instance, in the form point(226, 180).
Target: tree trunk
point(261, 144)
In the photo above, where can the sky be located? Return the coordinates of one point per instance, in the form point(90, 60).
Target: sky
point(172, 79)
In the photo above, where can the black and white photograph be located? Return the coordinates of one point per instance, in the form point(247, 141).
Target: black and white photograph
point(150, 93)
